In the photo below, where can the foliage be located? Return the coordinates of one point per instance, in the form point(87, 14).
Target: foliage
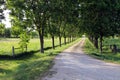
point(16, 30)
point(2, 29)
point(100, 18)
point(34, 34)
point(45, 16)
point(24, 40)
point(7, 33)
point(35, 14)
point(17, 27)
point(2, 8)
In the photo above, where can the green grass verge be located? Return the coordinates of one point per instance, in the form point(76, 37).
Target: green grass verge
point(107, 55)
point(31, 66)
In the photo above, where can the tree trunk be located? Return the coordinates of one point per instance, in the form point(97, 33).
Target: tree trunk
point(60, 41)
point(41, 44)
point(53, 42)
point(70, 38)
point(65, 40)
point(96, 42)
point(91, 38)
point(41, 36)
point(101, 44)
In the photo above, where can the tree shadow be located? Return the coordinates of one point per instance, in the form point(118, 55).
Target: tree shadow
point(106, 56)
point(19, 56)
point(32, 69)
point(47, 48)
point(24, 55)
point(5, 71)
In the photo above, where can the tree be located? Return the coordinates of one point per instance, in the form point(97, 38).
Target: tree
point(65, 13)
point(98, 19)
point(2, 7)
point(7, 33)
point(16, 31)
point(34, 34)
point(35, 14)
point(52, 30)
point(2, 29)
point(34, 11)
point(24, 40)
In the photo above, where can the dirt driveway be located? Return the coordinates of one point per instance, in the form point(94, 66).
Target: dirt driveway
point(73, 64)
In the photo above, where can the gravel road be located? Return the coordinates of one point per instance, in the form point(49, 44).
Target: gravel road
point(73, 64)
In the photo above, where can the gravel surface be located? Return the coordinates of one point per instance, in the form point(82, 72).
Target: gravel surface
point(73, 64)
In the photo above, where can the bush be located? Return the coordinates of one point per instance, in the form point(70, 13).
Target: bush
point(24, 40)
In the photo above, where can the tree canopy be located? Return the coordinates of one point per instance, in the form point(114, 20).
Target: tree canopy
point(69, 18)
point(2, 8)
point(100, 18)
point(45, 15)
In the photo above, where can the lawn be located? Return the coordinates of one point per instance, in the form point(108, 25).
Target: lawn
point(107, 54)
point(30, 66)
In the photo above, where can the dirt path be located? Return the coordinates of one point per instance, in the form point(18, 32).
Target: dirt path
point(73, 64)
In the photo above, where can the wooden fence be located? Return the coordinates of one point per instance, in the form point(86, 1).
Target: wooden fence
point(13, 50)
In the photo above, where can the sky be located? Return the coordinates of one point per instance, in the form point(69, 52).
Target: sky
point(7, 19)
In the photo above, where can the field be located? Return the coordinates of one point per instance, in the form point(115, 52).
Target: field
point(6, 45)
point(30, 65)
point(107, 54)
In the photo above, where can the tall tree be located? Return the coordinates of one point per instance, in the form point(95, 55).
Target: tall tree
point(33, 11)
point(7, 33)
point(37, 13)
point(52, 30)
point(2, 29)
point(97, 16)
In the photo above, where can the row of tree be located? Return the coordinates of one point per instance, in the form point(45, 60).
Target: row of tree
point(100, 18)
point(53, 17)
point(69, 18)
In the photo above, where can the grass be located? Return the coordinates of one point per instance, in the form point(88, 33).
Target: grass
point(107, 55)
point(31, 66)
point(6, 45)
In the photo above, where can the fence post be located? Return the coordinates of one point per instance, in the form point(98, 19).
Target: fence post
point(13, 51)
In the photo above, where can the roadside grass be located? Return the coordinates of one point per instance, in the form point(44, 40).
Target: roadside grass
point(107, 55)
point(32, 66)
